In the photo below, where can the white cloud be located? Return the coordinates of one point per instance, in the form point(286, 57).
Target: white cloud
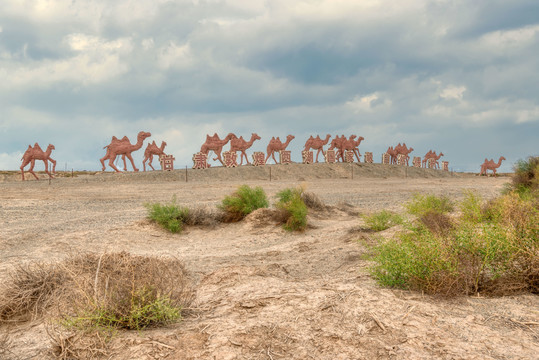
point(453, 92)
point(174, 56)
point(502, 39)
point(368, 103)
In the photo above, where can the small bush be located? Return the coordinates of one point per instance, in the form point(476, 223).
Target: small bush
point(169, 216)
point(422, 204)
point(244, 201)
point(293, 208)
point(525, 180)
point(471, 208)
point(383, 220)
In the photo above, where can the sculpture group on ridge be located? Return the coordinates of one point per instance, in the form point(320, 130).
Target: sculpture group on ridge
point(341, 148)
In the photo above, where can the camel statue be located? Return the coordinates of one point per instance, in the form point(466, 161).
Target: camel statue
point(491, 165)
point(151, 150)
point(392, 154)
point(123, 147)
point(35, 153)
point(435, 157)
point(428, 155)
point(215, 144)
point(432, 155)
point(242, 145)
point(276, 145)
point(403, 150)
point(317, 144)
point(336, 143)
point(350, 144)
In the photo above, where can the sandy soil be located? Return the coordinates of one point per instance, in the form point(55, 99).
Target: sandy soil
point(263, 293)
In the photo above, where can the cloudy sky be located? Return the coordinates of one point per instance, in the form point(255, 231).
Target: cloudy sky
point(456, 76)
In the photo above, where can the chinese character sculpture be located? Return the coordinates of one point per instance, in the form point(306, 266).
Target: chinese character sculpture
point(123, 147)
point(285, 157)
point(200, 161)
point(349, 156)
point(230, 158)
point(317, 144)
point(213, 143)
point(416, 162)
point(35, 153)
point(167, 162)
point(491, 165)
point(330, 156)
point(151, 150)
point(259, 158)
point(307, 156)
point(275, 145)
point(386, 158)
point(445, 165)
point(242, 145)
point(368, 158)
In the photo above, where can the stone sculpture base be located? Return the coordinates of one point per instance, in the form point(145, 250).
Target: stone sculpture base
point(259, 158)
point(285, 157)
point(167, 162)
point(307, 156)
point(368, 158)
point(230, 159)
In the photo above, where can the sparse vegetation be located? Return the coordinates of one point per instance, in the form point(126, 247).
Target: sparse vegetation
point(242, 202)
point(489, 248)
point(293, 208)
point(422, 204)
point(382, 220)
point(88, 291)
point(170, 216)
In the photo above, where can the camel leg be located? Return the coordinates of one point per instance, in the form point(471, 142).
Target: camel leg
point(243, 153)
point(46, 163)
point(218, 153)
point(269, 154)
point(132, 162)
point(144, 163)
point(317, 153)
point(23, 166)
point(53, 164)
point(358, 155)
point(273, 157)
point(125, 165)
point(111, 163)
point(31, 170)
point(103, 163)
point(150, 162)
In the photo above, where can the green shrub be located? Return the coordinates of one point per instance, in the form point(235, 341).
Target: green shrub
point(422, 204)
point(242, 202)
point(291, 203)
point(525, 180)
point(169, 216)
point(382, 220)
point(492, 251)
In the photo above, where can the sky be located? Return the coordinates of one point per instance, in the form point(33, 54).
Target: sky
point(456, 76)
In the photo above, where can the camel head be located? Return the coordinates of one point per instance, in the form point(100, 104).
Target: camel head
point(51, 146)
point(143, 135)
point(290, 138)
point(352, 137)
point(255, 136)
point(502, 158)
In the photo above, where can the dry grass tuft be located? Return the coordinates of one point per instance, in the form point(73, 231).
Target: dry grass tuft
point(67, 345)
point(437, 223)
point(203, 216)
point(86, 283)
point(29, 291)
point(313, 201)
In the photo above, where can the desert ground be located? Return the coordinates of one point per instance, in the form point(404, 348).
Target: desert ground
point(263, 292)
